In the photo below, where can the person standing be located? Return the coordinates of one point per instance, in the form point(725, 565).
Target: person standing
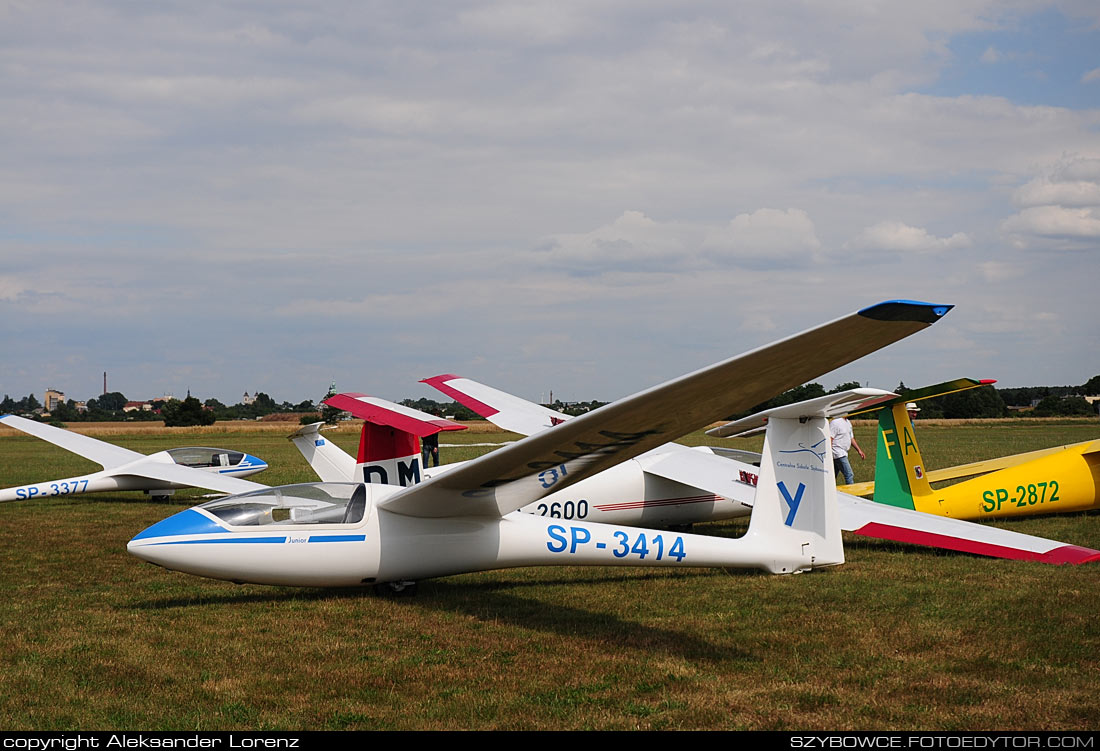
point(912, 409)
point(429, 449)
point(843, 439)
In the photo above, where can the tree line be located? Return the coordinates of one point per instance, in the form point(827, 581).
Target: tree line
point(982, 402)
point(110, 407)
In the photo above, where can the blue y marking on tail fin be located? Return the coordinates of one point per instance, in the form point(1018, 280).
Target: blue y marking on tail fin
point(792, 503)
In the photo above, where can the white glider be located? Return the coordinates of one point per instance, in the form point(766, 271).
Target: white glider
point(158, 474)
point(467, 519)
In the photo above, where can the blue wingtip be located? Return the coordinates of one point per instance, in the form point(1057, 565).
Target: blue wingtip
point(906, 310)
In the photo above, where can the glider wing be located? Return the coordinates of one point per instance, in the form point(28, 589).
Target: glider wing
point(189, 476)
point(526, 471)
point(105, 454)
point(498, 407)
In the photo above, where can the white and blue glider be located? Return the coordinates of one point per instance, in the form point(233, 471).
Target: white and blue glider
point(158, 474)
point(468, 519)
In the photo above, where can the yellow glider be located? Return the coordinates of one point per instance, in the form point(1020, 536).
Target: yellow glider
point(1054, 480)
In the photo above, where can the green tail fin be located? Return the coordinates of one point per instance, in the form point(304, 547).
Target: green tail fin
point(899, 467)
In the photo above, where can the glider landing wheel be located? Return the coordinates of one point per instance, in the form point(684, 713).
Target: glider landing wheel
point(402, 588)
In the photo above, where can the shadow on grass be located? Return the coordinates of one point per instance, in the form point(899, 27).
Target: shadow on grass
point(500, 602)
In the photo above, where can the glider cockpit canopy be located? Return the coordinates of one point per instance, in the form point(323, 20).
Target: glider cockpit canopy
point(202, 456)
point(307, 503)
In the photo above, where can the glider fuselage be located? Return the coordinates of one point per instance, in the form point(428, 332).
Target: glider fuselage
point(129, 476)
point(265, 538)
point(1056, 482)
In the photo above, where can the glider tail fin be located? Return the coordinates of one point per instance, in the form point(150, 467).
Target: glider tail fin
point(329, 461)
point(795, 511)
point(900, 476)
point(388, 455)
point(795, 503)
point(389, 446)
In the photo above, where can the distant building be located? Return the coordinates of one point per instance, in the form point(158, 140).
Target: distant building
point(247, 399)
point(137, 407)
point(53, 399)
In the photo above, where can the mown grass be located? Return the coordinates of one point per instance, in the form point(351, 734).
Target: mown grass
point(898, 637)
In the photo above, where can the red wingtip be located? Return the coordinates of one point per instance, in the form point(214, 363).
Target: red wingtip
point(1064, 554)
point(439, 383)
point(987, 381)
point(440, 379)
point(1073, 555)
point(342, 397)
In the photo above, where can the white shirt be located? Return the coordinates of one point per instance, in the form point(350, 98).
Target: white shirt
point(840, 430)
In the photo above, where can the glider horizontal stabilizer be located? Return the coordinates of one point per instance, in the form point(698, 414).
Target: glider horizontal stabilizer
point(830, 405)
point(929, 392)
point(382, 412)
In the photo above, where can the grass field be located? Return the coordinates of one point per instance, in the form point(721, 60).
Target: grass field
point(897, 638)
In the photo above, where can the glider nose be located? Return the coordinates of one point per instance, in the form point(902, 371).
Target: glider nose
point(162, 543)
point(250, 465)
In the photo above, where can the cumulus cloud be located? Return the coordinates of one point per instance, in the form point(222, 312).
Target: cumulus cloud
point(764, 237)
point(1063, 204)
point(636, 243)
point(1092, 75)
point(1078, 168)
point(1055, 221)
point(633, 242)
point(900, 237)
point(1046, 192)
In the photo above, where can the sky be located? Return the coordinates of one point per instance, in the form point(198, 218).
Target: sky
point(585, 197)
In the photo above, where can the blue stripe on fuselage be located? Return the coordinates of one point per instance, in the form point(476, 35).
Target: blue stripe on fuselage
point(272, 540)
